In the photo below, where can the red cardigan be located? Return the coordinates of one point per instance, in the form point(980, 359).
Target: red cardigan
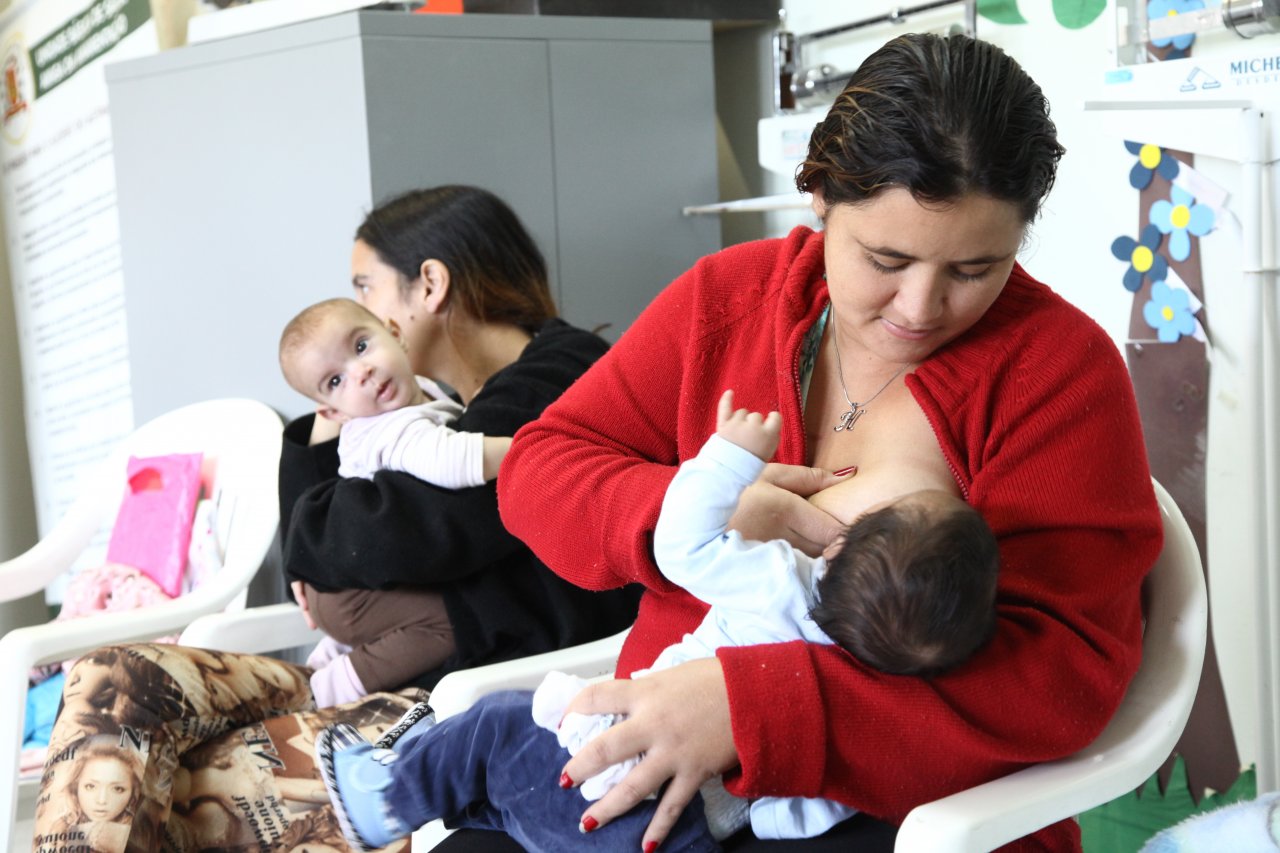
point(1035, 413)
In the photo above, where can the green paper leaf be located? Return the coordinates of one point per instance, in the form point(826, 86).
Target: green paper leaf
point(1001, 11)
point(1124, 824)
point(1077, 14)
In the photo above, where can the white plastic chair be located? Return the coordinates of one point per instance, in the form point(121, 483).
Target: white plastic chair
point(1132, 747)
point(244, 438)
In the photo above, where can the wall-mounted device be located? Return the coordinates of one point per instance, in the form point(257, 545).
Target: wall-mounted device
point(1135, 32)
point(798, 85)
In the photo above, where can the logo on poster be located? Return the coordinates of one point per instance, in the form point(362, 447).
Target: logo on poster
point(18, 87)
point(1258, 69)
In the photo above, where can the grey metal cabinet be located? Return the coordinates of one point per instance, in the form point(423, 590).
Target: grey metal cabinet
point(244, 165)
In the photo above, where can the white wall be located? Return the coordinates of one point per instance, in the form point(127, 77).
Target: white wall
point(1069, 247)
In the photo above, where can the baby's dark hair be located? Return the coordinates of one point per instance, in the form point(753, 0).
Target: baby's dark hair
point(912, 589)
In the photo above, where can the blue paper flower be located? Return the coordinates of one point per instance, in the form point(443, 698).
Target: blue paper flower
point(1169, 313)
point(1142, 257)
point(1164, 8)
point(1151, 159)
point(1180, 217)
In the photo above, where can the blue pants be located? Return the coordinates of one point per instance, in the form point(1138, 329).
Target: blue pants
point(494, 768)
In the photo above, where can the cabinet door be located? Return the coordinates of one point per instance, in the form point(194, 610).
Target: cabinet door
point(635, 142)
point(464, 111)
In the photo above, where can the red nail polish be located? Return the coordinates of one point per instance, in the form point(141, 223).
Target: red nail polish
point(565, 781)
point(650, 846)
point(589, 823)
point(850, 470)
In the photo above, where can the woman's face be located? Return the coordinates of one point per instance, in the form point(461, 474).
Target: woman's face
point(906, 278)
point(104, 788)
point(377, 287)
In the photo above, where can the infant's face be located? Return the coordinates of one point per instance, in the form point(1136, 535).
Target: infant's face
point(356, 367)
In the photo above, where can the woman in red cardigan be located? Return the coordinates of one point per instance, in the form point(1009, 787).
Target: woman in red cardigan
point(903, 333)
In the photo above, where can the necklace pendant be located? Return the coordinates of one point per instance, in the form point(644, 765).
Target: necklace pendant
point(850, 418)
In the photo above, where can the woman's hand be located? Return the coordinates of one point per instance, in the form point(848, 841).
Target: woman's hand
point(678, 719)
point(774, 507)
point(323, 429)
point(300, 595)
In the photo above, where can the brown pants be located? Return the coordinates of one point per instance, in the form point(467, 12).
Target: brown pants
point(395, 635)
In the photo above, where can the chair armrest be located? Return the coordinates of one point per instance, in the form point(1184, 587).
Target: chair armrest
point(1134, 743)
point(1136, 740)
point(986, 816)
point(459, 690)
point(252, 631)
point(1139, 737)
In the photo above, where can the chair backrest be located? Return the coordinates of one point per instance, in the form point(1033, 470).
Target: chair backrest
point(1176, 605)
point(244, 436)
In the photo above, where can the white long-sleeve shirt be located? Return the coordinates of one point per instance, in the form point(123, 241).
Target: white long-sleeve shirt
point(416, 440)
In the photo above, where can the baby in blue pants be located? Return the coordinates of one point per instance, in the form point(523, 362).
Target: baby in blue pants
point(918, 549)
point(487, 768)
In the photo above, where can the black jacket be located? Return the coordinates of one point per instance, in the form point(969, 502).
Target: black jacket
point(396, 530)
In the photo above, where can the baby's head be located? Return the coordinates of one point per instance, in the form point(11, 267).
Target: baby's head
point(341, 356)
point(912, 588)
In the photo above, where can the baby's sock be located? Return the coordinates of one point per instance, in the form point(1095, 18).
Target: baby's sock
point(336, 683)
point(325, 651)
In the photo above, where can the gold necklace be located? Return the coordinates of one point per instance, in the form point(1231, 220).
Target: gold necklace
point(856, 410)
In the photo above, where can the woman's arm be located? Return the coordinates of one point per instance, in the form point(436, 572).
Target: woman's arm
point(323, 429)
point(351, 533)
point(392, 530)
point(583, 485)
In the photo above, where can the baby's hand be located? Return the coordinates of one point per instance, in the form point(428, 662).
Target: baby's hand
point(751, 431)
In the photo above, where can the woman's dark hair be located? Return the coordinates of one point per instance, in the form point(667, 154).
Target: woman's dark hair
point(495, 269)
point(941, 117)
